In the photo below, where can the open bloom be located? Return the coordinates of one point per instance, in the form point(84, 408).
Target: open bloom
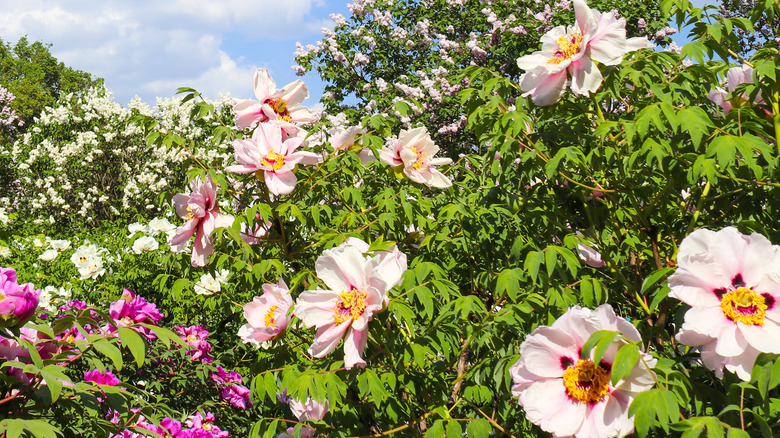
point(266, 315)
point(732, 283)
point(359, 286)
point(18, 302)
point(277, 159)
point(130, 309)
point(595, 37)
point(201, 212)
point(414, 150)
point(567, 395)
point(742, 74)
point(195, 336)
point(283, 105)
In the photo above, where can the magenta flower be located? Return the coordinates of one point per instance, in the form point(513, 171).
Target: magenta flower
point(130, 310)
point(18, 302)
point(277, 159)
point(570, 396)
point(359, 286)
point(201, 426)
point(169, 428)
point(101, 378)
point(266, 315)
point(742, 74)
point(732, 283)
point(195, 337)
point(414, 150)
point(595, 37)
point(231, 389)
point(282, 105)
point(201, 212)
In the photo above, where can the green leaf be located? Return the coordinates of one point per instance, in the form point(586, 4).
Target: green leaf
point(600, 339)
point(111, 351)
point(479, 428)
point(134, 342)
point(625, 360)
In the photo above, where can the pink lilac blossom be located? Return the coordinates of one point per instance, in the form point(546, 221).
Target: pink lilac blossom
point(283, 105)
point(267, 316)
point(18, 302)
point(276, 158)
point(572, 51)
point(742, 74)
point(569, 396)
point(413, 151)
point(195, 337)
point(201, 212)
point(358, 289)
point(732, 283)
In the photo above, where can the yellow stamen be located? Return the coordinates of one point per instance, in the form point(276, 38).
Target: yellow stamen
point(350, 305)
point(191, 338)
point(270, 317)
point(280, 108)
point(568, 46)
point(744, 305)
point(420, 161)
point(586, 381)
point(273, 160)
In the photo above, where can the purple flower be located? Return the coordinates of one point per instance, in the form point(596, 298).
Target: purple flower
point(195, 336)
point(18, 302)
point(202, 427)
point(237, 396)
point(101, 378)
point(131, 309)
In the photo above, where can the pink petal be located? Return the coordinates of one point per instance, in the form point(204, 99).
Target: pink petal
point(327, 339)
point(280, 183)
point(354, 344)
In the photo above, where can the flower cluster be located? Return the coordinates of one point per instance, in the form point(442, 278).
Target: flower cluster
point(231, 388)
point(196, 426)
point(277, 116)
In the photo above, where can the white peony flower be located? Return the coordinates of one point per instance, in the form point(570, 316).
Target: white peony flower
point(208, 285)
point(145, 244)
point(48, 255)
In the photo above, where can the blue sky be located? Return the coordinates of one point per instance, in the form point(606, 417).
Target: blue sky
point(151, 47)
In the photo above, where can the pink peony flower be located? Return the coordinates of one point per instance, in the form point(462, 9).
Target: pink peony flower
point(201, 212)
point(595, 37)
point(266, 315)
point(18, 302)
point(312, 410)
point(414, 150)
point(359, 286)
point(569, 396)
point(280, 105)
point(277, 159)
point(253, 237)
point(202, 426)
point(732, 283)
point(742, 74)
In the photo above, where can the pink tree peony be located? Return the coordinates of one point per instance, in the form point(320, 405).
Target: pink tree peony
point(201, 212)
point(595, 37)
point(266, 315)
point(312, 410)
point(359, 286)
point(732, 283)
point(282, 105)
point(569, 396)
point(277, 159)
point(742, 74)
point(414, 150)
point(18, 302)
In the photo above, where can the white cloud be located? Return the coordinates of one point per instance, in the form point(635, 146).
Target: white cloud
point(152, 47)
